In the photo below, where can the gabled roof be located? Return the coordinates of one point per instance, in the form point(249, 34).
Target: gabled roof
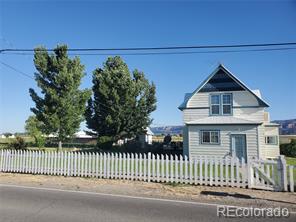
point(256, 93)
point(217, 120)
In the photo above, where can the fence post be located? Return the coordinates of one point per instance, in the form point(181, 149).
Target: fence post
point(250, 174)
point(282, 169)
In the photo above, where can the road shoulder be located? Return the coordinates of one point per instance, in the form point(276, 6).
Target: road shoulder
point(203, 194)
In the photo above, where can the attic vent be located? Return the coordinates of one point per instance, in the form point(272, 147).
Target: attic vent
point(221, 82)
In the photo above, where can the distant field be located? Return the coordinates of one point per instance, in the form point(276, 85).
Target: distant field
point(9, 140)
point(160, 139)
point(284, 139)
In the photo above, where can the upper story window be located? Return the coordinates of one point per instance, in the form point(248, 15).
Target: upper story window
point(221, 104)
point(215, 104)
point(271, 140)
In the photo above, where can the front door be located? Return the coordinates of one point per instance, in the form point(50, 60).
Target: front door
point(238, 146)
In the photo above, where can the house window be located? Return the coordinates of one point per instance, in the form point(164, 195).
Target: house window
point(215, 104)
point(271, 140)
point(210, 137)
point(221, 104)
point(226, 104)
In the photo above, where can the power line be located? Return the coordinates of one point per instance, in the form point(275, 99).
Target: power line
point(164, 53)
point(28, 76)
point(16, 70)
point(162, 48)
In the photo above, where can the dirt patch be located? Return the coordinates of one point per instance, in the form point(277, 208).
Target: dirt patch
point(208, 194)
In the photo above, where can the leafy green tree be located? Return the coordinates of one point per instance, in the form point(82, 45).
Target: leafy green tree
point(63, 104)
point(121, 103)
point(33, 127)
point(289, 149)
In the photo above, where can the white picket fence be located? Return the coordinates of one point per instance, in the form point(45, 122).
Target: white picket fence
point(202, 170)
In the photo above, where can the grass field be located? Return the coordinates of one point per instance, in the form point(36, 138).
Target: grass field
point(160, 139)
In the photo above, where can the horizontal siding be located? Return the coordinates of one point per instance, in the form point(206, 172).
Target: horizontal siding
point(240, 98)
point(194, 114)
point(252, 114)
point(196, 148)
point(200, 99)
point(199, 107)
point(244, 98)
point(270, 151)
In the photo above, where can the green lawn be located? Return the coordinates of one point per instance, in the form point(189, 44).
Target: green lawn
point(291, 160)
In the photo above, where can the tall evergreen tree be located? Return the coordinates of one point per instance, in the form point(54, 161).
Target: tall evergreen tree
point(121, 103)
point(63, 104)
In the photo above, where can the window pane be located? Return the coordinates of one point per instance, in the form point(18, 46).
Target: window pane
point(215, 99)
point(206, 137)
point(271, 140)
point(215, 109)
point(214, 137)
point(227, 99)
point(226, 109)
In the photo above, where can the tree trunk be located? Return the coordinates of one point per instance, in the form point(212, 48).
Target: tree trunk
point(60, 146)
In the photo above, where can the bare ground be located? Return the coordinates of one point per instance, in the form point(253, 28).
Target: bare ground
point(207, 194)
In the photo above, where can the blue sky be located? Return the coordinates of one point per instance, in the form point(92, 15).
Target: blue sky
point(89, 24)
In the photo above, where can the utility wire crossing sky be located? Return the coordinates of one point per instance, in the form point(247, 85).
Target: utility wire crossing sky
point(176, 44)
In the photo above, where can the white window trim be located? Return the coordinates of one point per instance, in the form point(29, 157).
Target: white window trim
point(211, 110)
point(210, 131)
point(276, 140)
point(221, 104)
point(229, 104)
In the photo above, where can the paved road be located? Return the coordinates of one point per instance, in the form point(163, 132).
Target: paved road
point(42, 205)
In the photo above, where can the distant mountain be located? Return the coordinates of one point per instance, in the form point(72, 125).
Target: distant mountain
point(173, 130)
point(287, 127)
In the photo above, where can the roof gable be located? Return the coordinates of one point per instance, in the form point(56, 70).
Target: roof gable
point(222, 80)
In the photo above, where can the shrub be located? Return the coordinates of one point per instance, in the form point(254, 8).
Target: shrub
point(105, 142)
point(19, 143)
point(40, 141)
point(289, 149)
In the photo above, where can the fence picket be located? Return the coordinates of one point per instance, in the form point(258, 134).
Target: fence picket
point(177, 179)
point(136, 167)
point(211, 171)
point(166, 168)
point(195, 171)
point(140, 167)
point(232, 171)
point(181, 169)
point(206, 171)
point(162, 168)
point(291, 178)
point(149, 166)
point(226, 161)
point(153, 167)
point(190, 171)
point(237, 172)
point(157, 168)
point(124, 166)
point(172, 168)
point(132, 167)
point(108, 165)
point(200, 170)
